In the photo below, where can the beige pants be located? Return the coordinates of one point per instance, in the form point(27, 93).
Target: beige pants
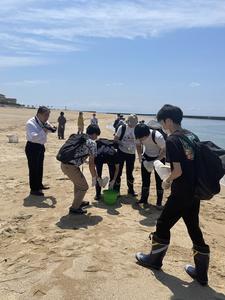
point(80, 183)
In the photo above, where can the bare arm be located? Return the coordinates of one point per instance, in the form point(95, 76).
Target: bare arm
point(175, 173)
point(139, 149)
point(162, 153)
point(92, 166)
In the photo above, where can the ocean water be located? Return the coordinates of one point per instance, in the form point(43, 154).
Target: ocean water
point(206, 130)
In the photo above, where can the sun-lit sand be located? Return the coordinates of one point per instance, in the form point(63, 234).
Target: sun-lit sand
point(46, 253)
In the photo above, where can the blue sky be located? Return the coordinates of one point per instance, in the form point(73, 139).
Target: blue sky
point(114, 55)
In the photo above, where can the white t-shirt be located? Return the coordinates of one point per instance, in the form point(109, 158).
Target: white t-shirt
point(128, 143)
point(150, 148)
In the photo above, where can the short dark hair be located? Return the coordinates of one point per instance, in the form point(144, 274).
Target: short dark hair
point(141, 130)
point(172, 112)
point(93, 129)
point(43, 109)
point(62, 113)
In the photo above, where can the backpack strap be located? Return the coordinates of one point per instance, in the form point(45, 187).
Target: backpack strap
point(153, 135)
point(124, 127)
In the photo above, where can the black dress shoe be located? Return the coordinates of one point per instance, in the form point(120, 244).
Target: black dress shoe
point(45, 187)
point(77, 211)
point(84, 203)
point(36, 193)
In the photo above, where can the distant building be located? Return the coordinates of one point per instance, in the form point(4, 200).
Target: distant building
point(7, 101)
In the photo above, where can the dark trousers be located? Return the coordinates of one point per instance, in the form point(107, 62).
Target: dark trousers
point(35, 156)
point(61, 130)
point(99, 166)
point(129, 159)
point(185, 207)
point(146, 180)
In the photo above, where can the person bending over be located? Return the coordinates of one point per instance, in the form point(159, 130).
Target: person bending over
point(150, 146)
point(88, 149)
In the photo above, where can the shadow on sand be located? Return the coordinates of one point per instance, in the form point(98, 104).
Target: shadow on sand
point(75, 222)
point(40, 201)
point(111, 209)
point(183, 290)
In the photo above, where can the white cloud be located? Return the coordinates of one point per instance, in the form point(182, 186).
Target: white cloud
point(194, 84)
point(124, 19)
point(19, 61)
point(25, 82)
point(61, 25)
point(14, 42)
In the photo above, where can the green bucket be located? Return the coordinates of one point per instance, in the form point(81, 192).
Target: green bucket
point(110, 197)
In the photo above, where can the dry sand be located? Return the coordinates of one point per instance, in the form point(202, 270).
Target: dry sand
point(47, 254)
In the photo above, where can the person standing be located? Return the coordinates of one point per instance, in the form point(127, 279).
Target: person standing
point(150, 146)
point(61, 125)
point(126, 152)
point(94, 120)
point(36, 133)
point(119, 121)
point(80, 123)
point(182, 202)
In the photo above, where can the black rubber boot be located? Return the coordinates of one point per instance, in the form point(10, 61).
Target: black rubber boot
point(201, 259)
point(155, 257)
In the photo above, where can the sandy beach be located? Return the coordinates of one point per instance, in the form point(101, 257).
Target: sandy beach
point(45, 253)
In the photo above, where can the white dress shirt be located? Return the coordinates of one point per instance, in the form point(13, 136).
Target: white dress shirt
point(35, 132)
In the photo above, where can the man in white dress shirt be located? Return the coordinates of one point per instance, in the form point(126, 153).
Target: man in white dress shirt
point(36, 131)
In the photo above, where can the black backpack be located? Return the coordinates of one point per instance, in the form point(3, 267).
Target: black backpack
point(68, 150)
point(209, 167)
point(116, 143)
point(106, 148)
point(122, 132)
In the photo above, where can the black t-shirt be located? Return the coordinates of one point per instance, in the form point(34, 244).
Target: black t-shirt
point(178, 150)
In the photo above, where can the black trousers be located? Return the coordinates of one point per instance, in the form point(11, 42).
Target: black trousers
point(61, 130)
point(129, 159)
point(185, 207)
point(146, 180)
point(99, 166)
point(35, 156)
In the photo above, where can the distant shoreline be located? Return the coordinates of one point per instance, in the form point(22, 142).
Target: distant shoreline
point(185, 116)
point(218, 118)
